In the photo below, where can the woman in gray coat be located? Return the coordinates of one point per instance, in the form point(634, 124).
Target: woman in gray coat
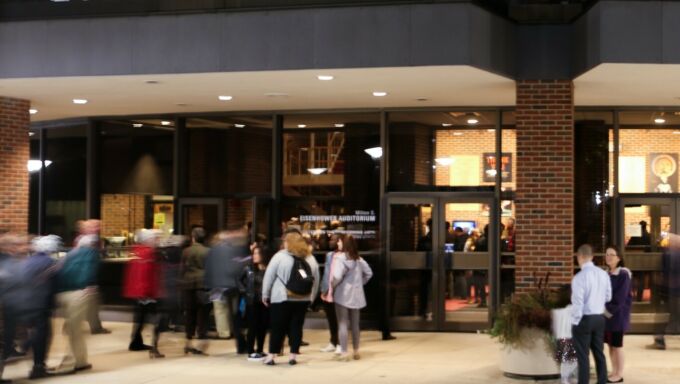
point(349, 275)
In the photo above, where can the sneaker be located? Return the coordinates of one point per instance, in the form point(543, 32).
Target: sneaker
point(39, 373)
point(255, 357)
point(304, 344)
point(356, 356)
point(338, 350)
point(329, 348)
point(657, 345)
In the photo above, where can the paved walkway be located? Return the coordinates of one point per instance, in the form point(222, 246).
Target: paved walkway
point(412, 358)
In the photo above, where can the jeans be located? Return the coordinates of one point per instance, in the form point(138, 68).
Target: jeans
point(196, 315)
point(331, 317)
point(258, 322)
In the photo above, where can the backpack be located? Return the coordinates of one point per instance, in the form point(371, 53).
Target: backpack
point(301, 280)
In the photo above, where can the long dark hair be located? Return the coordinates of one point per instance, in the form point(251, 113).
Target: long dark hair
point(265, 255)
point(349, 246)
point(618, 253)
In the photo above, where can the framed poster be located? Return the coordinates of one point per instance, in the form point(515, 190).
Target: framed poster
point(489, 161)
point(662, 172)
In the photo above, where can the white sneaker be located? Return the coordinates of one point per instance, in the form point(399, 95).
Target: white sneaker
point(338, 350)
point(329, 348)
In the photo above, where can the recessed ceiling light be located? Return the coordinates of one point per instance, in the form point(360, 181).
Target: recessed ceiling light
point(137, 125)
point(165, 122)
point(458, 133)
point(472, 120)
point(339, 125)
point(422, 99)
point(491, 130)
point(224, 98)
point(239, 125)
point(302, 126)
point(446, 124)
point(33, 133)
point(379, 93)
point(659, 120)
point(79, 101)
point(32, 111)
point(276, 94)
point(151, 81)
point(325, 77)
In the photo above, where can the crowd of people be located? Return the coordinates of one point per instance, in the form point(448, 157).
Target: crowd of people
point(252, 292)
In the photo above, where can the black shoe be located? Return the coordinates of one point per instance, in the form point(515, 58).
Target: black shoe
point(154, 354)
point(14, 355)
point(139, 347)
point(269, 362)
point(101, 331)
point(39, 373)
point(292, 362)
point(617, 381)
point(85, 367)
point(388, 337)
point(304, 344)
point(5, 381)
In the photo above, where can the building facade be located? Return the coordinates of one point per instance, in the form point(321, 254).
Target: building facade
point(470, 147)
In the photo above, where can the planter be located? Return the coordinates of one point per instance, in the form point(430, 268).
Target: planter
point(534, 361)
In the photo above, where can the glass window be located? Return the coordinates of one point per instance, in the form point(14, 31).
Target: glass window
point(649, 142)
point(594, 170)
point(509, 152)
point(65, 180)
point(441, 149)
point(330, 155)
point(229, 155)
point(136, 173)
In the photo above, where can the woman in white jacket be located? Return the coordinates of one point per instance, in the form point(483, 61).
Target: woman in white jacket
point(349, 274)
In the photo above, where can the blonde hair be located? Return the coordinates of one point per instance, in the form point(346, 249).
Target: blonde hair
point(296, 244)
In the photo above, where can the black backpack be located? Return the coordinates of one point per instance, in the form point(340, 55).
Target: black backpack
point(301, 280)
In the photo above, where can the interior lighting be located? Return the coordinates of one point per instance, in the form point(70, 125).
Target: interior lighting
point(316, 171)
point(472, 119)
point(325, 77)
point(137, 125)
point(79, 101)
point(302, 126)
point(224, 97)
point(379, 93)
point(444, 161)
point(36, 165)
point(659, 120)
point(165, 122)
point(239, 125)
point(339, 125)
point(374, 152)
point(32, 111)
point(446, 124)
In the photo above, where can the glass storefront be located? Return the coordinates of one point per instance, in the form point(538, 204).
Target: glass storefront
point(433, 211)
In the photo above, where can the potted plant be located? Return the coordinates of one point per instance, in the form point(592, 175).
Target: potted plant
point(523, 326)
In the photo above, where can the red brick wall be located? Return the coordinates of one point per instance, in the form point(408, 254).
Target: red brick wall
point(14, 154)
point(544, 199)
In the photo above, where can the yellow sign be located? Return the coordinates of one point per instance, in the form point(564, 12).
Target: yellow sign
point(158, 219)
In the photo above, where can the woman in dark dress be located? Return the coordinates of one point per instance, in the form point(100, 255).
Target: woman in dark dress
point(617, 311)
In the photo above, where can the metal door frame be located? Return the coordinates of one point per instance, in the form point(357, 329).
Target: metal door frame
point(438, 200)
point(187, 201)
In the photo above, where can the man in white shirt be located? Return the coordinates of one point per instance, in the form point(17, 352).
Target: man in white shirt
point(590, 290)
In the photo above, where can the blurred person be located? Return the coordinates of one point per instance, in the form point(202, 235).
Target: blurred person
point(327, 295)
point(224, 266)
point(350, 273)
point(617, 311)
point(508, 236)
point(9, 289)
point(92, 228)
point(143, 284)
point(479, 276)
point(565, 353)
point(170, 254)
point(670, 291)
point(35, 302)
point(257, 314)
point(76, 288)
point(590, 289)
point(290, 283)
point(195, 296)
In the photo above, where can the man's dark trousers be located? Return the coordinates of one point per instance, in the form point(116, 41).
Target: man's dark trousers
point(588, 336)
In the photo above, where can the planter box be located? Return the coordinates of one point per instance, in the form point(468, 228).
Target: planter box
point(535, 361)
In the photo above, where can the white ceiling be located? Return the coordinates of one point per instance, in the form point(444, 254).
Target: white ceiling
point(629, 85)
point(351, 88)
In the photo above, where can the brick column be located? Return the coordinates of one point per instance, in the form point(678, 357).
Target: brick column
point(545, 181)
point(14, 154)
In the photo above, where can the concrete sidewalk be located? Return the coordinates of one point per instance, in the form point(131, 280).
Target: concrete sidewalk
point(412, 358)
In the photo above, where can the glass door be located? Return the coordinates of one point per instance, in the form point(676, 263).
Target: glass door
point(644, 231)
point(467, 243)
point(439, 252)
point(410, 252)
